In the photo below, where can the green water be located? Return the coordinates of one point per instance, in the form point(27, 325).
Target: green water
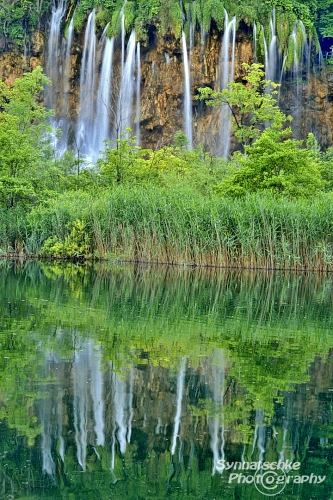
point(126, 382)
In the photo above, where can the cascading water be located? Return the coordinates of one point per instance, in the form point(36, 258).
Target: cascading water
point(191, 30)
point(227, 70)
point(296, 71)
point(85, 122)
point(187, 94)
point(125, 98)
point(52, 67)
point(255, 42)
point(123, 84)
point(67, 63)
point(300, 67)
point(138, 93)
point(103, 104)
point(293, 71)
point(295, 64)
point(95, 108)
point(271, 52)
point(64, 123)
point(123, 35)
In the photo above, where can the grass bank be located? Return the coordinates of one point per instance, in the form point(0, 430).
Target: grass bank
point(177, 226)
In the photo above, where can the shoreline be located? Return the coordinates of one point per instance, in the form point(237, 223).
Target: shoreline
point(82, 260)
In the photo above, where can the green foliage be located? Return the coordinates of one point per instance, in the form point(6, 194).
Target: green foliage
point(165, 204)
point(180, 140)
point(325, 162)
point(171, 17)
point(212, 10)
point(250, 329)
point(115, 24)
point(75, 245)
point(24, 145)
point(277, 165)
point(251, 106)
point(180, 224)
point(324, 18)
point(16, 16)
point(20, 18)
point(128, 164)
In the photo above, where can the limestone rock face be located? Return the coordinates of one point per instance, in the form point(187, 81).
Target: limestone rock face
point(14, 61)
point(11, 66)
point(162, 100)
point(162, 87)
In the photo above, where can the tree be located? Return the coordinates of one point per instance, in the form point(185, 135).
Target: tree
point(25, 149)
point(168, 166)
point(252, 106)
point(276, 164)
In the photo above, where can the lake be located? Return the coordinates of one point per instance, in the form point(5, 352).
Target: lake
point(152, 382)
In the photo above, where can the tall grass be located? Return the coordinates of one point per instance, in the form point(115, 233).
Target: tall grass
point(180, 226)
point(13, 231)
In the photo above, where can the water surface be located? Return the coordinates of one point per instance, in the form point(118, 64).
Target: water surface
point(126, 382)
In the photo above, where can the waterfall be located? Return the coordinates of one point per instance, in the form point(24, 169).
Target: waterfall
point(67, 63)
point(104, 102)
point(125, 99)
point(281, 78)
point(271, 52)
point(227, 75)
point(101, 83)
point(138, 94)
point(180, 390)
point(297, 44)
point(294, 47)
point(187, 94)
point(85, 122)
point(266, 55)
point(300, 41)
point(64, 123)
point(123, 35)
point(25, 48)
point(52, 67)
point(255, 42)
point(191, 30)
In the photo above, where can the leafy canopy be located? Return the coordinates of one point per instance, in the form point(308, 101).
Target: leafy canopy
point(277, 164)
point(24, 140)
point(252, 106)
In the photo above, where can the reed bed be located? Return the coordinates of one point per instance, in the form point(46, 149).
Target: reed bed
point(182, 227)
